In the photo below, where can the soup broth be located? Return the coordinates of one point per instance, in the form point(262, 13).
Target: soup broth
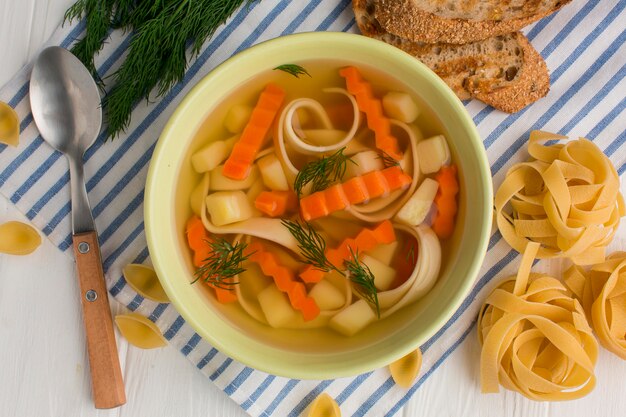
point(378, 252)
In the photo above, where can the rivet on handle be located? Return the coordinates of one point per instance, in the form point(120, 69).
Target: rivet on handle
point(91, 295)
point(83, 247)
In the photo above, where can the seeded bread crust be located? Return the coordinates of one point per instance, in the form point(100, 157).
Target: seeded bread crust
point(505, 72)
point(428, 21)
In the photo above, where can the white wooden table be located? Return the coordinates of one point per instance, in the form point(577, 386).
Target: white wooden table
point(43, 362)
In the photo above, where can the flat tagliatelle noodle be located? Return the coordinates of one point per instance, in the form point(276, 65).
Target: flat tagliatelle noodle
point(602, 292)
point(535, 338)
point(145, 282)
point(17, 238)
point(566, 198)
point(324, 406)
point(140, 331)
point(405, 370)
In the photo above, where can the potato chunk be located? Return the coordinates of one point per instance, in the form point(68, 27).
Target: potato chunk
point(272, 173)
point(415, 210)
point(353, 319)
point(327, 296)
point(237, 118)
point(213, 154)
point(433, 153)
point(400, 106)
point(227, 207)
point(364, 162)
point(384, 253)
point(276, 307)
point(383, 275)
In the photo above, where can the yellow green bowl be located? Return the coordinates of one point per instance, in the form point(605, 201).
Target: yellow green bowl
point(289, 353)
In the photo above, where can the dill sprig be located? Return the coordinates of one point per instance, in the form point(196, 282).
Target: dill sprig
point(322, 172)
point(224, 262)
point(161, 32)
point(293, 69)
point(410, 254)
point(311, 244)
point(388, 160)
point(362, 276)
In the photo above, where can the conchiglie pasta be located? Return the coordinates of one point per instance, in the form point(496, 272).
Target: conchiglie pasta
point(405, 370)
point(145, 282)
point(9, 125)
point(17, 238)
point(139, 331)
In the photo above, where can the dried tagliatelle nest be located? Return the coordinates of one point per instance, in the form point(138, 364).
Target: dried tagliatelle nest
point(535, 338)
point(566, 197)
point(602, 292)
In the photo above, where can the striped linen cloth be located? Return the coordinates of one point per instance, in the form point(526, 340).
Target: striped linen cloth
point(583, 45)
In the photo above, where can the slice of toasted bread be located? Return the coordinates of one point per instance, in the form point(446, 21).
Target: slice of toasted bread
point(505, 72)
point(460, 21)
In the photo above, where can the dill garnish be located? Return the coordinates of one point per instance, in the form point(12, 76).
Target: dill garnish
point(388, 160)
point(322, 173)
point(410, 254)
point(311, 243)
point(161, 32)
point(223, 263)
point(295, 70)
point(362, 276)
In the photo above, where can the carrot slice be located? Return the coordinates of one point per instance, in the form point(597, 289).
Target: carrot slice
point(285, 280)
point(356, 190)
point(445, 201)
point(373, 109)
point(276, 203)
point(239, 162)
point(364, 241)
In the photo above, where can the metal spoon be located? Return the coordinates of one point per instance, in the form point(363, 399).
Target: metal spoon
point(65, 103)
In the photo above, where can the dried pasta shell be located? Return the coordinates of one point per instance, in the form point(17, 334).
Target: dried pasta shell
point(602, 292)
point(9, 125)
point(405, 370)
point(139, 331)
point(566, 198)
point(145, 282)
point(324, 406)
point(17, 238)
point(535, 338)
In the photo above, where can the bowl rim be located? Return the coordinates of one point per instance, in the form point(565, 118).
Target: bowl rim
point(152, 204)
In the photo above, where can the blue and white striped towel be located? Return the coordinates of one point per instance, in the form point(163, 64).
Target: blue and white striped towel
point(583, 45)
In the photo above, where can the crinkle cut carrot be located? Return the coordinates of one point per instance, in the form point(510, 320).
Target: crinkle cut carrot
point(285, 280)
point(354, 191)
point(365, 240)
point(239, 162)
point(445, 201)
point(199, 242)
point(276, 203)
point(373, 109)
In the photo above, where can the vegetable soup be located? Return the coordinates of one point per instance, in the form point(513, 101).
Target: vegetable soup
point(324, 194)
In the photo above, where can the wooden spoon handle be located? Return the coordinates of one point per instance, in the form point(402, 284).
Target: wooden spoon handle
point(106, 375)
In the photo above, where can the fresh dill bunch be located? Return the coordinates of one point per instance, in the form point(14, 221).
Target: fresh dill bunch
point(362, 276)
point(311, 244)
point(410, 255)
point(322, 172)
point(161, 32)
point(388, 160)
point(293, 69)
point(224, 262)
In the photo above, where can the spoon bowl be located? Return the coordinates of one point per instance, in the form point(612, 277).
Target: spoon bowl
point(65, 101)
